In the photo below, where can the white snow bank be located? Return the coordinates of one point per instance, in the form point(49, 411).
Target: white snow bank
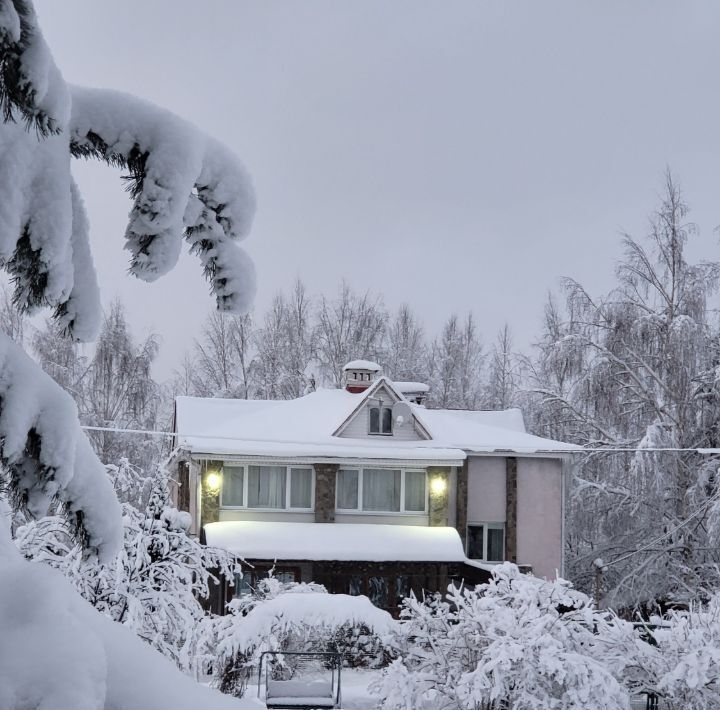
point(58, 653)
point(254, 540)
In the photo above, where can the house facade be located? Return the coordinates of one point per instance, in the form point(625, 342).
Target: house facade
point(366, 490)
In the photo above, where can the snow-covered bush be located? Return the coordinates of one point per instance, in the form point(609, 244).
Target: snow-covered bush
point(515, 642)
point(156, 583)
point(683, 668)
point(285, 617)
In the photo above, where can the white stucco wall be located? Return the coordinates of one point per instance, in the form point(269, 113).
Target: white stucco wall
point(486, 489)
point(539, 513)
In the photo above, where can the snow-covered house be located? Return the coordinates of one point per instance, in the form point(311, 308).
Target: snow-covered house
point(367, 491)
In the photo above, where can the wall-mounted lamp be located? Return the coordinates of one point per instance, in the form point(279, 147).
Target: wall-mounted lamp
point(212, 482)
point(438, 485)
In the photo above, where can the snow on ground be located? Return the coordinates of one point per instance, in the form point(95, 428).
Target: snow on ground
point(354, 689)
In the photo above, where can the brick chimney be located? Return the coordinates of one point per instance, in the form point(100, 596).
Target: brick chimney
point(360, 374)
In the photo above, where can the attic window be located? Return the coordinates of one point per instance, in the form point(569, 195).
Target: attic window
point(381, 420)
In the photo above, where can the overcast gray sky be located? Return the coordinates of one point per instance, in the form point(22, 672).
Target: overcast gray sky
point(455, 155)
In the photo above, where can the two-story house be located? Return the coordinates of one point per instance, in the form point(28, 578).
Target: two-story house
point(366, 490)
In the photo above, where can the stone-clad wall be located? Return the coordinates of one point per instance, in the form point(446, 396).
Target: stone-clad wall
point(325, 474)
point(439, 499)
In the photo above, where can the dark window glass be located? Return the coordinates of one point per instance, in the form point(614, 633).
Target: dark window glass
point(387, 421)
point(232, 485)
point(475, 542)
point(378, 591)
point(374, 420)
point(355, 585)
point(402, 588)
point(243, 584)
point(495, 545)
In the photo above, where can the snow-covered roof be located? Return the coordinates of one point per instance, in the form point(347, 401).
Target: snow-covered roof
point(359, 542)
point(404, 387)
point(305, 428)
point(486, 431)
point(362, 365)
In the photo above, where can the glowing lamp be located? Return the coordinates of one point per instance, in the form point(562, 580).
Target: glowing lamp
point(438, 486)
point(213, 481)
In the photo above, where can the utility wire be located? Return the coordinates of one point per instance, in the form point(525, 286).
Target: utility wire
point(518, 449)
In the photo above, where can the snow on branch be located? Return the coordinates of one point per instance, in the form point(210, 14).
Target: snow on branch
point(181, 181)
point(31, 87)
point(46, 455)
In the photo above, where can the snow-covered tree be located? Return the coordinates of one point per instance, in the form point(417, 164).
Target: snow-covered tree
point(222, 362)
point(503, 378)
point(156, 584)
point(349, 327)
point(55, 649)
point(637, 368)
point(120, 392)
point(405, 351)
point(456, 366)
point(285, 347)
point(516, 642)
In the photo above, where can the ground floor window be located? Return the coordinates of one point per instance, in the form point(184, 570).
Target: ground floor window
point(246, 582)
point(486, 542)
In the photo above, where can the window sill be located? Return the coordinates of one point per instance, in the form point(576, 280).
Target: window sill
point(267, 510)
point(404, 513)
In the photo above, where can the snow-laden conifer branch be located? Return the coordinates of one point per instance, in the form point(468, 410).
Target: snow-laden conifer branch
point(31, 87)
point(181, 181)
point(47, 457)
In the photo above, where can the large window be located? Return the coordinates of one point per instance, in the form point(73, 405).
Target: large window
point(380, 420)
point(381, 490)
point(486, 541)
point(267, 487)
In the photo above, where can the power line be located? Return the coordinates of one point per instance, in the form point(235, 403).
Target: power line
point(705, 451)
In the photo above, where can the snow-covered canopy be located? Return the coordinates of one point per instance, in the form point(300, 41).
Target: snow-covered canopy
point(364, 542)
point(304, 427)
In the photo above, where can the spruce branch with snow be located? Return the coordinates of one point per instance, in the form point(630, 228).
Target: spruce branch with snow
point(156, 585)
point(56, 650)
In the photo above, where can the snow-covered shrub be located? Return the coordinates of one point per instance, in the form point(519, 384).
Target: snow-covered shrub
point(514, 642)
point(285, 617)
point(154, 586)
point(684, 668)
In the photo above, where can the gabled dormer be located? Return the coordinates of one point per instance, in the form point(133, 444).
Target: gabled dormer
point(382, 411)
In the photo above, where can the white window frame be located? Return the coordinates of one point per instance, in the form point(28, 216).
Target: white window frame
point(485, 526)
point(288, 478)
point(381, 407)
point(403, 470)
